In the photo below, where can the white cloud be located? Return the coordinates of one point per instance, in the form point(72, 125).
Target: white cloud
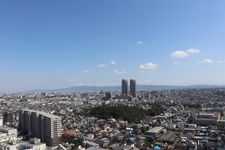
point(120, 72)
point(101, 66)
point(113, 62)
point(140, 42)
point(193, 51)
point(87, 71)
point(179, 55)
point(183, 54)
point(148, 66)
point(207, 61)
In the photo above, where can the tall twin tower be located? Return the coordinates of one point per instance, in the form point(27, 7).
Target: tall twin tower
point(124, 85)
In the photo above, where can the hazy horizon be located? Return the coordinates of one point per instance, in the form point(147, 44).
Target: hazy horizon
point(54, 44)
point(94, 88)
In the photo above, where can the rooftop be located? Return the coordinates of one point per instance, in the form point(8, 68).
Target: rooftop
point(155, 129)
point(43, 113)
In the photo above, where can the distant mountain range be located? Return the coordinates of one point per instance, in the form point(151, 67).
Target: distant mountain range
point(118, 88)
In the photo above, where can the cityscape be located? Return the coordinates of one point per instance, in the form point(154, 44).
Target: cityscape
point(112, 75)
point(128, 119)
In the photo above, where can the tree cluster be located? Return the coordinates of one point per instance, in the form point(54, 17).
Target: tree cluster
point(129, 113)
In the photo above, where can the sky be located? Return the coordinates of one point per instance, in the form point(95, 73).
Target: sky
point(49, 44)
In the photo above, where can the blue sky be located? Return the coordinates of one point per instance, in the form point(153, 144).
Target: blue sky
point(55, 43)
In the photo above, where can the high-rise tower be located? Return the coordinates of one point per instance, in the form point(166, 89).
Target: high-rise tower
point(124, 85)
point(42, 125)
point(133, 88)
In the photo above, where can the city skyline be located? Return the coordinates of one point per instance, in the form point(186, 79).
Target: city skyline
point(73, 43)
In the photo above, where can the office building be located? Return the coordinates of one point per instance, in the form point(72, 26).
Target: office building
point(133, 88)
point(107, 96)
point(124, 87)
point(206, 119)
point(42, 125)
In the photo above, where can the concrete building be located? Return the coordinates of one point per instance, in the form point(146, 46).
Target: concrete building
point(124, 85)
point(133, 88)
point(205, 119)
point(155, 132)
point(42, 125)
point(213, 110)
point(8, 134)
point(34, 144)
point(221, 124)
point(6, 146)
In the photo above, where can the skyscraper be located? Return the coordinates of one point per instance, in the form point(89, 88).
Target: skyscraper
point(42, 125)
point(133, 87)
point(124, 85)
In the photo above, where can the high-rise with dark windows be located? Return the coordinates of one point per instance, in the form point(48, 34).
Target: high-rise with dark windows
point(124, 84)
point(133, 88)
point(42, 125)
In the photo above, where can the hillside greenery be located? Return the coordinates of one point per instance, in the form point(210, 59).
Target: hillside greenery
point(129, 113)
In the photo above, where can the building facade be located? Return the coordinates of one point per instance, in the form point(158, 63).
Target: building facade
point(133, 88)
point(42, 125)
point(124, 85)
